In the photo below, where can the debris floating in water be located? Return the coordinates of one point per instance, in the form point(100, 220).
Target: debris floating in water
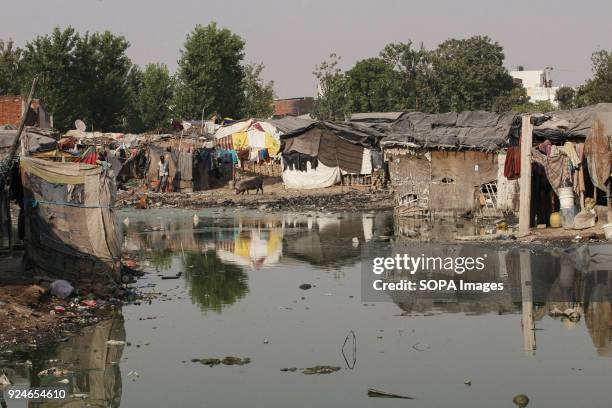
point(320, 369)
point(374, 393)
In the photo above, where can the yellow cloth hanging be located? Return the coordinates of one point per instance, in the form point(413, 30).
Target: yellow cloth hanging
point(272, 145)
point(240, 140)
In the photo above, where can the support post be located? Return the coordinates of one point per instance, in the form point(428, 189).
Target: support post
point(525, 181)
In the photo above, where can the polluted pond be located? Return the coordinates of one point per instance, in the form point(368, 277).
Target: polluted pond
point(237, 325)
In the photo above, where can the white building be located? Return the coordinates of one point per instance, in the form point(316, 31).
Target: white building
point(537, 83)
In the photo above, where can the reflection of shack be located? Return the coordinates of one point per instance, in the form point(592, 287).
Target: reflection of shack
point(327, 153)
point(98, 374)
point(450, 163)
point(253, 244)
point(459, 301)
point(328, 240)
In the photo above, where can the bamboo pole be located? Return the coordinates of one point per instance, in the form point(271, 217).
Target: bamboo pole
point(24, 115)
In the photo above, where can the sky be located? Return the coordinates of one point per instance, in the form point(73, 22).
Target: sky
point(290, 37)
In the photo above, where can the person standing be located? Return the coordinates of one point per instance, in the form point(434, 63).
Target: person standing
point(163, 174)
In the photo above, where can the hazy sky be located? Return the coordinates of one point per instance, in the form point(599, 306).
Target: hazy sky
point(292, 36)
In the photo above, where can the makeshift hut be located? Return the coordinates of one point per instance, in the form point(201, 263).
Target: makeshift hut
point(572, 158)
point(253, 146)
point(450, 163)
point(70, 224)
point(325, 153)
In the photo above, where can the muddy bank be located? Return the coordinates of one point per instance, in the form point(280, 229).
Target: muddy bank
point(33, 312)
point(336, 198)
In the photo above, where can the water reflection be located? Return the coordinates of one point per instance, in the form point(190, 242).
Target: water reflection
point(212, 282)
point(88, 362)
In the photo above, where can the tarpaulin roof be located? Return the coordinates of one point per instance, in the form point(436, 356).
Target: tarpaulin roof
point(376, 117)
point(354, 133)
point(290, 124)
point(471, 129)
point(36, 142)
point(576, 123)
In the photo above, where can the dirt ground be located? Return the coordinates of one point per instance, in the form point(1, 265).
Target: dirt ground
point(275, 196)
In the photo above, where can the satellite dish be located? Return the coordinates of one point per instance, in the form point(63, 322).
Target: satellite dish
point(80, 125)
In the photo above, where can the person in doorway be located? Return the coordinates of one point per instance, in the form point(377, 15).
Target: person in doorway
point(163, 174)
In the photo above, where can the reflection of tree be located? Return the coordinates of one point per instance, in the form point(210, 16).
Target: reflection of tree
point(214, 284)
point(161, 260)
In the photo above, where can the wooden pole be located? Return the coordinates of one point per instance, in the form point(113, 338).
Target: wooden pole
point(529, 339)
point(525, 182)
point(24, 115)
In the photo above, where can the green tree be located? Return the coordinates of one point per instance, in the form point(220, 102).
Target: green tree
point(210, 75)
point(534, 107)
point(133, 119)
point(154, 97)
point(331, 102)
point(374, 86)
point(465, 74)
point(599, 88)
point(80, 76)
point(258, 95)
point(507, 101)
point(10, 73)
point(409, 62)
point(565, 97)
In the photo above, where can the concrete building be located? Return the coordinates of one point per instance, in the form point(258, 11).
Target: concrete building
point(538, 84)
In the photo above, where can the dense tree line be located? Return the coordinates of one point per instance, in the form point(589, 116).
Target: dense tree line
point(90, 77)
point(460, 74)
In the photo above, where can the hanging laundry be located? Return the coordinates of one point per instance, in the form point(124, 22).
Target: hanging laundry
point(557, 169)
point(512, 167)
point(240, 140)
point(273, 145)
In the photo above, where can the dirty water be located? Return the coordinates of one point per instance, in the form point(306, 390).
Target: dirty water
point(235, 291)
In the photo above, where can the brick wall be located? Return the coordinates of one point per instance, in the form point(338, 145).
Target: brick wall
point(10, 110)
point(293, 106)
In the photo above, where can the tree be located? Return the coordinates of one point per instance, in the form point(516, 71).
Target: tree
point(258, 95)
point(10, 73)
point(599, 88)
point(463, 74)
point(373, 86)
point(507, 101)
point(409, 62)
point(534, 107)
point(154, 97)
point(133, 120)
point(565, 97)
point(80, 77)
point(331, 102)
point(210, 75)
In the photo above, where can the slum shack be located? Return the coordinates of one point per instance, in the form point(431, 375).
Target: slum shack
point(69, 221)
point(571, 161)
point(451, 163)
point(253, 146)
point(323, 154)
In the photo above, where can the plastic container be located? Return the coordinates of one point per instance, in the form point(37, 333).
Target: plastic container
point(566, 197)
point(608, 231)
point(555, 220)
point(567, 217)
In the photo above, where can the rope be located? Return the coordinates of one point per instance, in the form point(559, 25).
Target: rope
point(36, 203)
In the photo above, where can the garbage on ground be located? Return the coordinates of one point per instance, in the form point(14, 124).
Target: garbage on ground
point(61, 289)
point(372, 392)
